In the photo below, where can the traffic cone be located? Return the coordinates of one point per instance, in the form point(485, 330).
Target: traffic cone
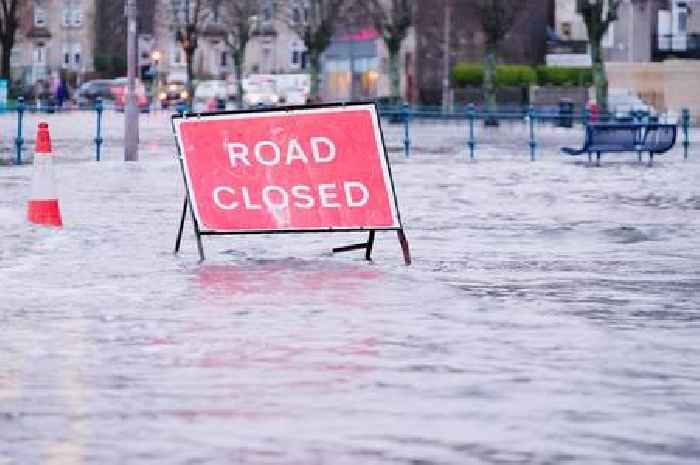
point(43, 208)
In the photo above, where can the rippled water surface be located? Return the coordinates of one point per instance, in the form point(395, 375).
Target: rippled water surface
point(551, 316)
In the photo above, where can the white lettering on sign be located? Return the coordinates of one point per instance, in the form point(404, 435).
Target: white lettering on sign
point(295, 152)
point(352, 194)
point(327, 193)
point(276, 153)
point(238, 151)
point(269, 153)
point(362, 201)
point(316, 143)
point(220, 202)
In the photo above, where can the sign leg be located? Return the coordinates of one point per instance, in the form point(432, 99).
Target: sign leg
point(370, 245)
point(367, 246)
point(178, 241)
point(198, 235)
point(404, 247)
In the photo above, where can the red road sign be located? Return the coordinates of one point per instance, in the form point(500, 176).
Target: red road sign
point(306, 169)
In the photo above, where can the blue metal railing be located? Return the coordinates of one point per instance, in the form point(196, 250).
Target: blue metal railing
point(533, 116)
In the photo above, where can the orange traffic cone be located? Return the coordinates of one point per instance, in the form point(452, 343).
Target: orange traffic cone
point(43, 205)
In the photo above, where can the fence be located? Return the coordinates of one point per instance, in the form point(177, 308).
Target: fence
point(405, 115)
point(558, 116)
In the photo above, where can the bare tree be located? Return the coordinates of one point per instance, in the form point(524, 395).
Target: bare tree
point(9, 22)
point(497, 18)
point(188, 16)
point(314, 21)
point(236, 16)
point(598, 15)
point(392, 19)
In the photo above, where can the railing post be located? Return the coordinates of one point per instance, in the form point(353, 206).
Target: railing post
point(471, 142)
point(19, 140)
point(405, 116)
point(686, 129)
point(99, 108)
point(531, 115)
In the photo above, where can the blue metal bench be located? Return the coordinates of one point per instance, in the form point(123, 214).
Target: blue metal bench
point(616, 138)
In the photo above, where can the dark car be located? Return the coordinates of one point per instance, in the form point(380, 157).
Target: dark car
point(172, 92)
point(89, 91)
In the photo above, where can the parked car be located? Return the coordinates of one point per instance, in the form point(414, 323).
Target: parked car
point(119, 88)
point(89, 91)
point(171, 93)
point(260, 93)
point(211, 96)
point(624, 106)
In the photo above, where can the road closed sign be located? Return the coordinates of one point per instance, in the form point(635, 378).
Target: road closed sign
point(318, 168)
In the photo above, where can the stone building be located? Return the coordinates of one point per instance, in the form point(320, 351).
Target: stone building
point(55, 38)
point(646, 30)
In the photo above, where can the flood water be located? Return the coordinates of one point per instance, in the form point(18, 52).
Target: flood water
point(551, 316)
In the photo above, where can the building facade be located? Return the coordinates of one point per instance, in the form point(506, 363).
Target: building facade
point(645, 31)
point(55, 40)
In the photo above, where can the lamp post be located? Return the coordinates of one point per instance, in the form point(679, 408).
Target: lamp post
point(131, 126)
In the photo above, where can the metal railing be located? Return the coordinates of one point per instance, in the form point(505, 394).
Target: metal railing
point(532, 116)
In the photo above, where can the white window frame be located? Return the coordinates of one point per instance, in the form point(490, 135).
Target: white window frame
point(40, 14)
point(76, 54)
point(39, 57)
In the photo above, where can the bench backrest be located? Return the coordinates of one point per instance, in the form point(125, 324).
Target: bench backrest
point(603, 137)
point(659, 138)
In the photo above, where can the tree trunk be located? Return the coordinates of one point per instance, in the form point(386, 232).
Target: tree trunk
point(238, 72)
point(600, 78)
point(5, 64)
point(189, 58)
point(314, 71)
point(490, 83)
point(395, 73)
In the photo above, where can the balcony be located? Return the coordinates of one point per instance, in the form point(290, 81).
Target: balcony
point(670, 46)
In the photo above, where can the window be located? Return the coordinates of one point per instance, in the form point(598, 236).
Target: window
point(76, 54)
point(566, 30)
point(267, 11)
point(40, 18)
point(72, 13)
point(297, 59)
point(39, 55)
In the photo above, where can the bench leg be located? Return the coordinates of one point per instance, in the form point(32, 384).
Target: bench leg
point(639, 156)
point(651, 158)
point(589, 158)
point(597, 159)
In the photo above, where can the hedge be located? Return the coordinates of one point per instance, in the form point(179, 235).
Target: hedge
point(562, 76)
point(468, 74)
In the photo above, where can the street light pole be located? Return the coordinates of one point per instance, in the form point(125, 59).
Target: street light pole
point(131, 126)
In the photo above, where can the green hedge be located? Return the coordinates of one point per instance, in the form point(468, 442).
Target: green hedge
point(468, 74)
point(562, 76)
point(515, 76)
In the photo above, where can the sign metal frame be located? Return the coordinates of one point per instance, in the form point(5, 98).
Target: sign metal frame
point(366, 246)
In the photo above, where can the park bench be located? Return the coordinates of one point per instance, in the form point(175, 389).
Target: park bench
point(602, 138)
